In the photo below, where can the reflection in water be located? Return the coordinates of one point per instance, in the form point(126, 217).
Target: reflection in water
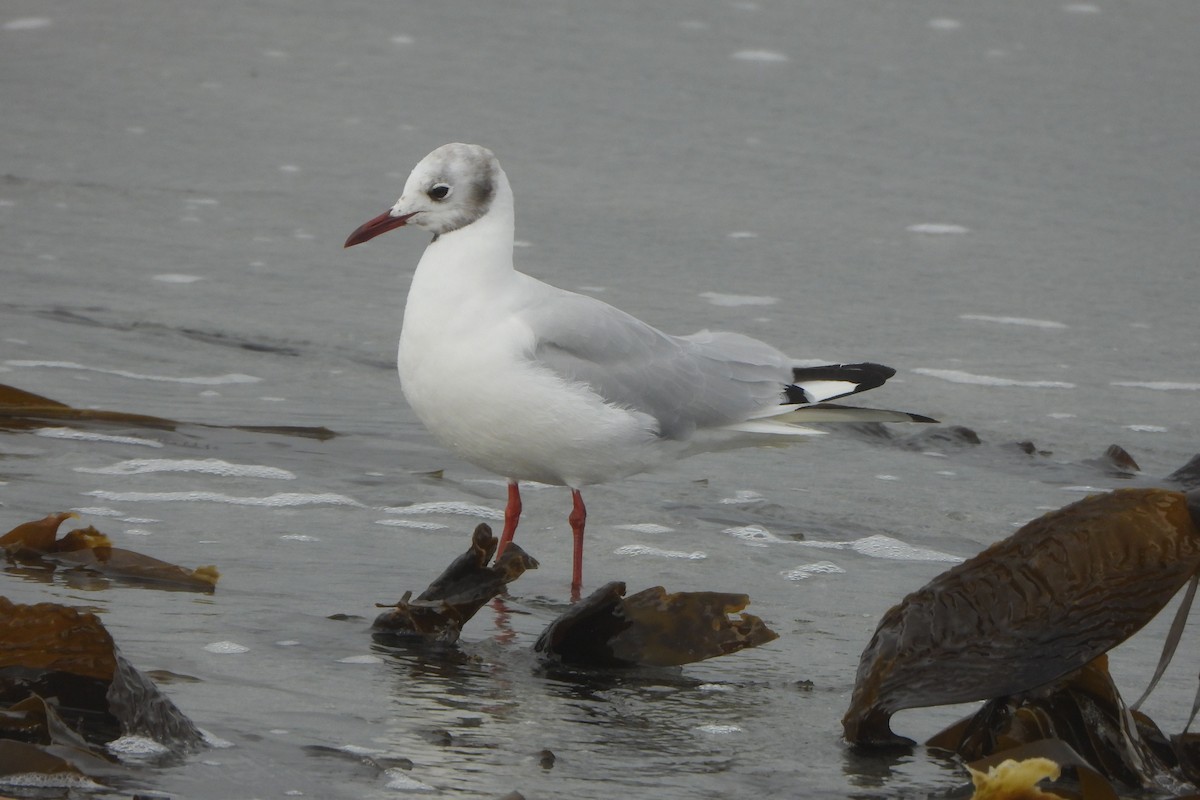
point(458, 712)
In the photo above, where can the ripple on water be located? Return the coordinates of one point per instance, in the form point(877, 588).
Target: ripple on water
point(448, 507)
point(89, 436)
point(805, 571)
point(279, 500)
point(959, 376)
point(733, 300)
point(646, 550)
point(203, 380)
point(1031, 323)
point(206, 466)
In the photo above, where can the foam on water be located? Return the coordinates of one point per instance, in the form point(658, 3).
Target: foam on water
point(1146, 428)
point(880, 546)
point(805, 571)
point(741, 497)
point(57, 780)
point(1033, 323)
point(226, 648)
point(398, 780)
point(717, 730)
point(958, 376)
point(732, 300)
point(755, 535)
point(202, 380)
point(89, 436)
point(448, 507)
point(279, 500)
point(207, 466)
point(136, 746)
point(98, 511)
point(175, 277)
point(646, 550)
point(644, 527)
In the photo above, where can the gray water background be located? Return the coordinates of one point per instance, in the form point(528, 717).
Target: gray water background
point(1005, 192)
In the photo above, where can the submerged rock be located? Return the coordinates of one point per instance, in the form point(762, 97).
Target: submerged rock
point(651, 628)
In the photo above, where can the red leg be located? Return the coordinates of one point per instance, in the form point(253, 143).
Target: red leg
point(577, 519)
point(512, 515)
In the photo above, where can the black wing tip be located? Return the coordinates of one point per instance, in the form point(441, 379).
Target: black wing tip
point(862, 377)
point(867, 374)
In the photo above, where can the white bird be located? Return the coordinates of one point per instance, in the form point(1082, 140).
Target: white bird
point(536, 383)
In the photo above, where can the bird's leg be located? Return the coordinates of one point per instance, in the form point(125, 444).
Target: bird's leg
point(512, 514)
point(577, 519)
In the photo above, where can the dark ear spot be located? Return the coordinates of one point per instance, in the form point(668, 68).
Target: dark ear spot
point(482, 191)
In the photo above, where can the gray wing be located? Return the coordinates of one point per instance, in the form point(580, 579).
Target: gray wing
point(686, 383)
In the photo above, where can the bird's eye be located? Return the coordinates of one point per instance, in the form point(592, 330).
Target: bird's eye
point(439, 192)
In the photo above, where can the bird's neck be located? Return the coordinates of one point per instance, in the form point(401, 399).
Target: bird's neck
point(477, 254)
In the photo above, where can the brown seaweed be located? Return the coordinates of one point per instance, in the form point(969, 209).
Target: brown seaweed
point(651, 628)
point(66, 657)
point(458, 593)
point(1063, 590)
point(89, 549)
point(1082, 713)
point(22, 410)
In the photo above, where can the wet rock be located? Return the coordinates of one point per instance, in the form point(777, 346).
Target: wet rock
point(1187, 476)
point(59, 664)
point(1115, 462)
point(458, 593)
point(941, 437)
point(90, 550)
point(1061, 591)
point(651, 628)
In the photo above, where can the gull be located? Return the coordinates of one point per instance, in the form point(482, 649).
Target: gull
point(535, 383)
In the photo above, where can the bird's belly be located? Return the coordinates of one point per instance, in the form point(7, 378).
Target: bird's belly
point(519, 420)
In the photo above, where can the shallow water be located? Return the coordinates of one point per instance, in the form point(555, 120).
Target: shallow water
point(998, 200)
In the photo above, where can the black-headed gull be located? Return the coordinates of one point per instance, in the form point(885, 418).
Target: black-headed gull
point(536, 383)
